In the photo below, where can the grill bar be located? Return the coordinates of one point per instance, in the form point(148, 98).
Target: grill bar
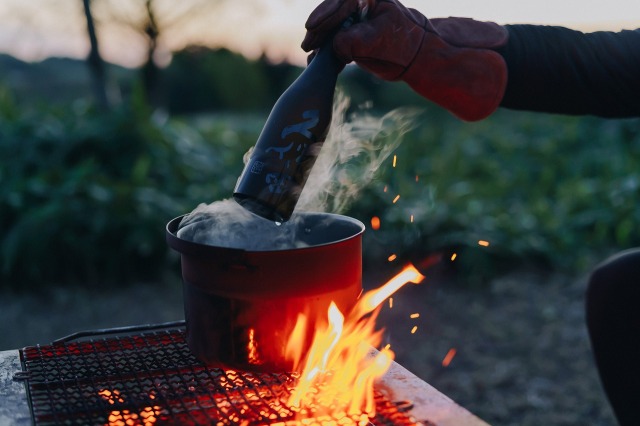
point(151, 377)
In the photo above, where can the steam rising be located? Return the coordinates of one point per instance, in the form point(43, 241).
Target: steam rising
point(354, 150)
point(227, 224)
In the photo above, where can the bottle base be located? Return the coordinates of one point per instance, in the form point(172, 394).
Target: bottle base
point(259, 208)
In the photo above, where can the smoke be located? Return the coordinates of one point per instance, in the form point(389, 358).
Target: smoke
point(227, 224)
point(354, 150)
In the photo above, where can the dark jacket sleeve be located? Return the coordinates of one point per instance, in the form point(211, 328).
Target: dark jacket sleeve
point(559, 70)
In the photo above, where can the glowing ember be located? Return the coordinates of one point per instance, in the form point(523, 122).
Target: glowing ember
point(414, 329)
point(392, 258)
point(338, 373)
point(483, 243)
point(145, 417)
point(395, 159)
point(453, 256)
point(416, 315)
point(448, 357)
point(252, 349)
point(375, 223)
point(390, 302)
point(411, 218)
point(395, 200)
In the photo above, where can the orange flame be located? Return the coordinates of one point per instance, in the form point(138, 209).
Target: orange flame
point(338, 372)
point(253, 354)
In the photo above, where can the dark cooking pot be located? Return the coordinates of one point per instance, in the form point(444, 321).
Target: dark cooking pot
point(241, 306)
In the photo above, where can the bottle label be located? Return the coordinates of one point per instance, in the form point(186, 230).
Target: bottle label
point(304, 128)
point(277, 183)
point(290, 155)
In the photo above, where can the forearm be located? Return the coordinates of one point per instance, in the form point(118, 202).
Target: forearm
point(558, 70)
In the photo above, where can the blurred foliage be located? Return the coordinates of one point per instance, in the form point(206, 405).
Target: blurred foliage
point(203, 79)
point(85, 194)
point(540, 188)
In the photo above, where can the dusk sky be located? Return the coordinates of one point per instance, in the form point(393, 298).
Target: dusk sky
point(33, 30)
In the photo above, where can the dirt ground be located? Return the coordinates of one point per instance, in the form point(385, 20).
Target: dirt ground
point(522, 353)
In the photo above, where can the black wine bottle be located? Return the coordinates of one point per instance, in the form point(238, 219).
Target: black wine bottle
point(290, 141)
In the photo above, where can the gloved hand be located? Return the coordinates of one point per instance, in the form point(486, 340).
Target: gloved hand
point(450, 61)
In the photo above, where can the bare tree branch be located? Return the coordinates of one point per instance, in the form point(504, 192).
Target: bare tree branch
point(152, 20)
point(94, 60)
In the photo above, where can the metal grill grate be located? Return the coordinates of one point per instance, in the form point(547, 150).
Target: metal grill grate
point(151, 377)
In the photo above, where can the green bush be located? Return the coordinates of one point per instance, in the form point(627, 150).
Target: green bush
point(85, 194)
point(557, 189)
point(203, 79)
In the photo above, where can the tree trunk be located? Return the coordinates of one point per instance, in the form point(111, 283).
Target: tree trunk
point(94, 61)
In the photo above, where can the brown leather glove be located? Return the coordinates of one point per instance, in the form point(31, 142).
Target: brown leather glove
point(450, 61)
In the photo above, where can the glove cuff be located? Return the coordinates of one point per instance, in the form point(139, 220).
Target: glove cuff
point(456, 68)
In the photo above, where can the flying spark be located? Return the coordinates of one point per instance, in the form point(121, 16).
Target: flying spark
point(448, 357)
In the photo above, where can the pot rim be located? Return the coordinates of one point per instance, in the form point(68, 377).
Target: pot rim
point(172, 229)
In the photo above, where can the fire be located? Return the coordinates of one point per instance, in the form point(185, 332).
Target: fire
point(252, 349)
point(145, 417)
point(449, 357)
point(337, 375)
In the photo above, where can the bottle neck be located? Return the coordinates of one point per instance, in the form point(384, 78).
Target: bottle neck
point(326, 59)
